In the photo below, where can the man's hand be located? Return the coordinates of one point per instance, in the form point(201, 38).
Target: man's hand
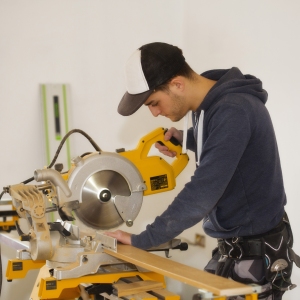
point(121, 236)
point(178, 135)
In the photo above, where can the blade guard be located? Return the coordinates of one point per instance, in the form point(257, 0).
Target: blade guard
point(158, 175)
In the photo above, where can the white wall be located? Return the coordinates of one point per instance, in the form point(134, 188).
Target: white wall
point(86, 43)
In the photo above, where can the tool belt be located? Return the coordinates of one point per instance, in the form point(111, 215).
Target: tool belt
point(274, 247)
point(240, 248)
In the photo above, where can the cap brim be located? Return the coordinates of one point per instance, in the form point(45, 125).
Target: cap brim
point(130, 103)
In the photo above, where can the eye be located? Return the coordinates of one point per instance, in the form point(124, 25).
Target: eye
point(154, 104)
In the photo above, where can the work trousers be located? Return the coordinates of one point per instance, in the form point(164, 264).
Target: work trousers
point(265, 260)
point(247, 271)
point(253, 271)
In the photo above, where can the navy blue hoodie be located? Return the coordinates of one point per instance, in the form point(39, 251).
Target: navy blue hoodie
point(238, 188)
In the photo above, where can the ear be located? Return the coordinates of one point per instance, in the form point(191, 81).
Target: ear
point(177, 83)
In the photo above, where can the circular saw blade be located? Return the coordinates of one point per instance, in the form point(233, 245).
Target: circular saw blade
point(97, 209)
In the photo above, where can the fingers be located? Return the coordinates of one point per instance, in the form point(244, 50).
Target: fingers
point(113, 234)
point(164, 150)
point(177, 134)
point(121, 236)
point(172, 132)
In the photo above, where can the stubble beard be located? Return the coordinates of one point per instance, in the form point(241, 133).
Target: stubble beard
point(178, 110)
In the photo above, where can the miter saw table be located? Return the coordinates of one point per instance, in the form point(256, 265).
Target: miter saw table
point(103, 190)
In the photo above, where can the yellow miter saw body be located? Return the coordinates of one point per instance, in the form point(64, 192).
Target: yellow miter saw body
point(158, 175)
point(110, 186)
point(104, 190)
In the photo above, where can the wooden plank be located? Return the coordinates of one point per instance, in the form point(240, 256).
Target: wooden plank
point(140, 296)
point(165, 294)
point(125, 289)
point(217, 285)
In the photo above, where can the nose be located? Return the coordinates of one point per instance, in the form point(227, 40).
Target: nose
point(154, 110)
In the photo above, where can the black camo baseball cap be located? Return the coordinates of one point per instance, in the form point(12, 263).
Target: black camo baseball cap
point(148, 67)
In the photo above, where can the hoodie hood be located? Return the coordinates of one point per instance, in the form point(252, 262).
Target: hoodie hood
point(231, 81)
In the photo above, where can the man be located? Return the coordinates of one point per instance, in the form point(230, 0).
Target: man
point(237, 188)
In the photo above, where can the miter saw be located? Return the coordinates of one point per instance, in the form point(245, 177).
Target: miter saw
point(103, 190)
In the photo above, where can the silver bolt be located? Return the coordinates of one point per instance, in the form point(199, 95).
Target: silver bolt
point(129, 223)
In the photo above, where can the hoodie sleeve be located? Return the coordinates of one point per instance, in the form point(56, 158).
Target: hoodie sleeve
point(227, 133)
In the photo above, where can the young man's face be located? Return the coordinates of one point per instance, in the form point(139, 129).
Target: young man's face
point(168, 104)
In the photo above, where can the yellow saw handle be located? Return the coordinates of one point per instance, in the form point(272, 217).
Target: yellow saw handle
point(158, 175)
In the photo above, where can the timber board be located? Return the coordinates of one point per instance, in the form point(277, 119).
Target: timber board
point(125, 289)
point(217, 285)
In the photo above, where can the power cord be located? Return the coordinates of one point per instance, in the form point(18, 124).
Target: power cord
point(97, 148)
